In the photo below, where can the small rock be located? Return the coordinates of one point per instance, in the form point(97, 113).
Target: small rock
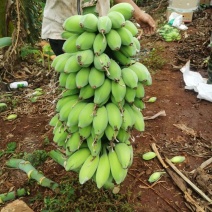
point(17, 206)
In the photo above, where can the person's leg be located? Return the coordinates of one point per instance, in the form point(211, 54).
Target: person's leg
point(56, 46)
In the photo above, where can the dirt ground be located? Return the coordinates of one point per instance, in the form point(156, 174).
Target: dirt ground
point(184, 130)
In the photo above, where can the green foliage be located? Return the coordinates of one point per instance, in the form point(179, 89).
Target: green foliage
point(154, 60)
point(5, 41)
point(87, 197)
point(9, 149)
point(27, 50)
point(36, 158)
point(31, 14)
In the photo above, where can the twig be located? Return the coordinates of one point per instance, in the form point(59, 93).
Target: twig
point(188, 181)
point(153, 191)
point(204, 164)
point(179, 182)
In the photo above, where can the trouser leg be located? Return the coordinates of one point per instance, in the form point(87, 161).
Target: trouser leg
point(56, 46)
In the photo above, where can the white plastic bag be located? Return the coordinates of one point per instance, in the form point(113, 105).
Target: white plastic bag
point(176, 20)
point(194, 81)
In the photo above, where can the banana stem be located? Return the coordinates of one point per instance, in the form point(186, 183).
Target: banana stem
point(58, 157)
point(32, 173)
point(12, 195)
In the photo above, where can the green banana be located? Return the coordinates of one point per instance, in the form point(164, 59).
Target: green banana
point(103, 169)
point(86, 92)
point(123, 135)
point(139, 119)
point(110, 133)
point(99, 44)
point(61, 102)
point(74, 142)
point(136, 44)
point(121, 58)
point(117, 19)
point(129, 77)
point(140, 91)
point(77, 159)
point(65, 34)
point(85, 132)
point(142, 72)
point(130, 94)
point(85, 58)
point(71, 81)
point(86, 115)
point(96, 78)
point(100, 120)
point(60, 57)
point(123, 153)
point(124, 8)
point(104, 24)
point(62, 79)
point(64, 100)
point(126, 36)
point(72, 129)
point(102, 62)
point(60, 136)
point(74, 114)
point(118, 90)
point(69, 45)
point(114, 116)
point(129, 51)
point(139, 103)
point(72, 65)
point(60, 66)
point(114, 40)
point(70, 92)
point(54, 120)
point(94, 146)
point(72, 24)
point(85, 40)
point(66, 108)
point(102, 93)
point(82, 77)
point(131, 27)
point(89, 22)
point(128, 120)
point(88, 168)
point(117, 171)
point(114, 71)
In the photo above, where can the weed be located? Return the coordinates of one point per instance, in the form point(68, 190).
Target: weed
point(9, 149)
point(154, 60)
point(36, 158)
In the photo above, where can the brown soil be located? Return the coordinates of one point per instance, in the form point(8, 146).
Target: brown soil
point(185, 130)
